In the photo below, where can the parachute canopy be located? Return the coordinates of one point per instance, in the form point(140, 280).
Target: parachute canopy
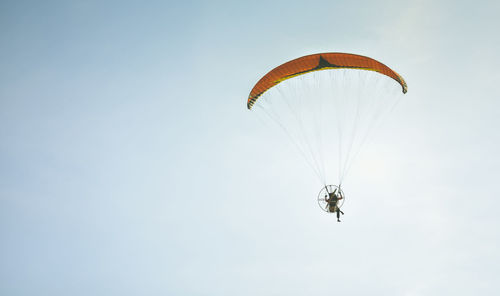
point(316, 62)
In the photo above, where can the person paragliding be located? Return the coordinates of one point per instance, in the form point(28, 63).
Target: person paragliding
point(301, 96)
point(333, 203)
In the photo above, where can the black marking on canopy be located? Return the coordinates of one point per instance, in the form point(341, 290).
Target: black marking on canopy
point(322, 63)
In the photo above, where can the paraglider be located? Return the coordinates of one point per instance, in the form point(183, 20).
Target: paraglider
point(328, 115)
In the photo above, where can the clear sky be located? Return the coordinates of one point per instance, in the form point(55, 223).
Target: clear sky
point(129, 164)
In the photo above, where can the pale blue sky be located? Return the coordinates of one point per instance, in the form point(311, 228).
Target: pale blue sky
point(129, 164)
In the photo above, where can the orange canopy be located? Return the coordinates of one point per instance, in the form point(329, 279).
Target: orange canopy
point(316, 62)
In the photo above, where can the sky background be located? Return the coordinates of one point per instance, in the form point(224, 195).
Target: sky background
point(129, 164)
